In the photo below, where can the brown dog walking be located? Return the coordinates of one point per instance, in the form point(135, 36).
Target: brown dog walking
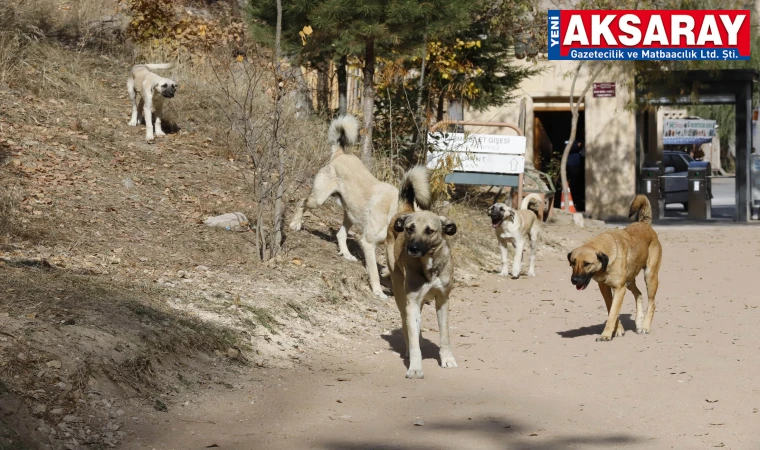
point(614, 259)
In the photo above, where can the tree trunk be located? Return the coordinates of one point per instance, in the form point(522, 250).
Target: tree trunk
point(368, 100)
point(279, 210)
point(439, 109)
point(343, 86)
point(422, 81)
point(323, 86)
point(304, 103)
point(420, 133)
point(574, 106)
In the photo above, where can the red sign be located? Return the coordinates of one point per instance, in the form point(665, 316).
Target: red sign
point(672, 34)
point(604, 89)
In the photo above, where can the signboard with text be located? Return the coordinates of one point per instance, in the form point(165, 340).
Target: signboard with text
point(478, 152)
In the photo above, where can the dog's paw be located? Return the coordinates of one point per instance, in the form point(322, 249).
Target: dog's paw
point(604, 338)
point(380, 294)
point(385, 272)
point(160, 133)
point(503, 274)
point(295, 226)
point(349, 257)
point(531, 273)
point(642, 331)
point(514, 277)
point(150, 139)
point(448, 361)
point(133, 123)
point(414, 374)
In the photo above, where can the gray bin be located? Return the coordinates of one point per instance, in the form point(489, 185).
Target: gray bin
point(650, 187)
point(700, 190)
point(754, 172)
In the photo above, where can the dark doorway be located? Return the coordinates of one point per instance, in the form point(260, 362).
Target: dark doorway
point(551, 132)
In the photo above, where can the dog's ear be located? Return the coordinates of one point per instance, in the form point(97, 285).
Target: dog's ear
point(398, 225)
point(569, 255)
point(604, 259)
point(511, 216)
point(490, 209)
point(449, 228)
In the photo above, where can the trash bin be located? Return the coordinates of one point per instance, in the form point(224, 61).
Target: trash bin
point(754, 172)
point(650, 187)
point(700, 190)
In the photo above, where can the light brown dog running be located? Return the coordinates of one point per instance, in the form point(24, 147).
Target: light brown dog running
point(613, 259)
point(419, 259)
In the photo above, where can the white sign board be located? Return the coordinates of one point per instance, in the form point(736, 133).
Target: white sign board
point(479, 152)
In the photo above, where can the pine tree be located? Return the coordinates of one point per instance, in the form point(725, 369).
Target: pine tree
point(365, 29)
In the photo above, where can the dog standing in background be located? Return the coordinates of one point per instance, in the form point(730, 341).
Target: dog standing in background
point(513, 226)
point(419, 259)
point(153, 89)
point(366, 201)
point(614, 259)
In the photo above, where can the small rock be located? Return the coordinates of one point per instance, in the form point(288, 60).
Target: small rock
point(201, 268)
point(419, 423)
point(128, 183)
point(233, 352)
point(578, 220)
point(56, 411)
point(39, 408)
point(236, 221)
point(55, 364)
point(70, 418)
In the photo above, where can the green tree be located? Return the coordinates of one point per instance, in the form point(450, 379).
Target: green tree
point(364, 29)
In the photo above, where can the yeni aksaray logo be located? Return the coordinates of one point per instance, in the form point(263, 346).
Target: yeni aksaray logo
point(649, 35)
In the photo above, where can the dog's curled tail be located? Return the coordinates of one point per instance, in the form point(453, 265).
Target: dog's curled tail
point(415, 187)
point(641, 205)
point(343, 132)
point(160, 66)
point(532, 198)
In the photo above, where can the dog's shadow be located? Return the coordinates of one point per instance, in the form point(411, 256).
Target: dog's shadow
point(628, 323)
point(355, 249)
point(395, 339)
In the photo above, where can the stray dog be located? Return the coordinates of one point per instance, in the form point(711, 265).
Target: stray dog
point(613, 259)
point(367, 202)
point(419, 259)
point(512, 226)
point(152, 89)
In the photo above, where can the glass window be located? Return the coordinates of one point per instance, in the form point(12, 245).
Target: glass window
point(679, 162)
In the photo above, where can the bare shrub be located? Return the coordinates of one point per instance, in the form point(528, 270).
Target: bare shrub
point(283, 147)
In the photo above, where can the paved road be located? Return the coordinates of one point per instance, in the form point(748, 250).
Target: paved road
point(530, 376)
point(723, 202)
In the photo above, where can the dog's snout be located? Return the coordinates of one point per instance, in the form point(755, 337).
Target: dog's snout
point(412, 248)
point(576, 279)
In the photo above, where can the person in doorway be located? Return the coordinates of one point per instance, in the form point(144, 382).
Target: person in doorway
point(576, 174)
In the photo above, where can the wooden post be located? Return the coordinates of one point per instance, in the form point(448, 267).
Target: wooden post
point(519, 191)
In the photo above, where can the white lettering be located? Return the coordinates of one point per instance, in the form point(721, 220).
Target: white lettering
point(682, 25)
point(630, 30)
point(575, 32)
point(601, 28)
point(709, 32)
point(732, 27)
point(655, 32)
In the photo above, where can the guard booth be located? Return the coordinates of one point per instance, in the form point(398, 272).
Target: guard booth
point(693, 87)
point(487, 160)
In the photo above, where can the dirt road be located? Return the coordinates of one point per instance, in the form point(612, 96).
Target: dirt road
point(530, 372)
